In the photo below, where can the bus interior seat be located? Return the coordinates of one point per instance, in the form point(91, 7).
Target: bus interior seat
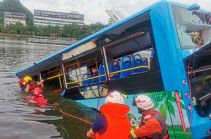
point(86, 76)
point(137, 61)
point(101, 72)
point(115, 67)
point(145, 63)
point(126, 64)
point(95, 80)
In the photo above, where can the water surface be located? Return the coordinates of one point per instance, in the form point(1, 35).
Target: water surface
point(19, 120)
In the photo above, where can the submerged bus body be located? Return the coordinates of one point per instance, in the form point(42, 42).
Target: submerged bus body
point(151, 53)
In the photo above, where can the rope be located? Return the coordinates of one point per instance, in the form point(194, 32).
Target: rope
point(189, 77)
point(70, 115)
point(102, 90)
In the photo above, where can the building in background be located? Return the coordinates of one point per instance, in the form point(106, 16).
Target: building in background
point(13, 18)
point(115, 16)
point(45, 18)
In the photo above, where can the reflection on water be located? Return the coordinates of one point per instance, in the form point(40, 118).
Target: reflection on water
point(22, 121)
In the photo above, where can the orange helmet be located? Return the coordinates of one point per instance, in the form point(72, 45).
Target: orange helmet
point(37, 91)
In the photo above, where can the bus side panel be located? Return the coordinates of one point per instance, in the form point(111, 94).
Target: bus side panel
point(166, 104)
point(171, 63)
point(172, 109)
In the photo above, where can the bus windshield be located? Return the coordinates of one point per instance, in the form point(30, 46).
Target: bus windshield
point(190, 26)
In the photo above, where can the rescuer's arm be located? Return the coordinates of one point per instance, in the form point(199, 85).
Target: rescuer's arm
point(152, 126)
point(27, 88)
point(39, 83)
point(100, 125)
point(90, 133)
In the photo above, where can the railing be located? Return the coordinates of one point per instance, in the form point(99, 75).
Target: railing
point(112, 73)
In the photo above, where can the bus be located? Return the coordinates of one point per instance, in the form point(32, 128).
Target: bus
point(163, 51)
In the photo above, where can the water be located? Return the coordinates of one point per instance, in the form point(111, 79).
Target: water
point(19, 120)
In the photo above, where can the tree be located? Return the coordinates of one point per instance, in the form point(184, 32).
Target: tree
point(1, 28)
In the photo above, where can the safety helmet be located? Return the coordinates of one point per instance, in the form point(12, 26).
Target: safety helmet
point(144, 102)
point(115, 97)
point(27, 78)
point(37, 91)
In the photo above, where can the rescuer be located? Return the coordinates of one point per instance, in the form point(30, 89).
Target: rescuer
point(113, 122)
point(152, 125)
point(27, 85)
point(37, 97)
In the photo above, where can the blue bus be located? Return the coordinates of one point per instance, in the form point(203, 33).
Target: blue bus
point(163, 51)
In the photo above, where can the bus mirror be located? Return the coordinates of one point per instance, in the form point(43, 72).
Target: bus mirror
point(194, 7)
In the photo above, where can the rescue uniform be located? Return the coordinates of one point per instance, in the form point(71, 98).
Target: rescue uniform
point(23, 84)
point(152, 126)
point(40, 100)
point(115, 123)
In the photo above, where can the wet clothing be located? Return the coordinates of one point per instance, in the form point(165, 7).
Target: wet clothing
point(41, 100)
point(31, 99)
point(23, 85)
point(118, 124)
point(152, 126)
point(100, 125)
point(35, 99)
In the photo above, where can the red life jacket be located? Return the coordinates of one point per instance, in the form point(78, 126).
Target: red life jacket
point(118, 122)
point(31, 99)
point(41, 100)
point(157, 115)
point(38, 100)
point(22, 83)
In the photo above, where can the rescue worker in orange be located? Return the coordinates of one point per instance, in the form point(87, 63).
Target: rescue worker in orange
point(152, 125)
point(113, 122)
point(27, 85)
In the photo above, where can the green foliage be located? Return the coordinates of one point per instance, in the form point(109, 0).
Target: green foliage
point(1, 20)
point(1, 28)
point(72, 30)
point(15, 6)
point(170, 107)
point(163, 110)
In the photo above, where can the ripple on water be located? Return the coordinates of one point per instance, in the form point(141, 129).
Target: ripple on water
point(21, 121)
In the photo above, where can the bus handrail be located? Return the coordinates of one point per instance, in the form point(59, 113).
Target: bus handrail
point(112, 73)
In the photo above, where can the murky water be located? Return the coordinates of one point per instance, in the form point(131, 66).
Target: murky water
point(18, 120)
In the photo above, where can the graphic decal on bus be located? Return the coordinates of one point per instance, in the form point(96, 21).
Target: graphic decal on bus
point(172, 109)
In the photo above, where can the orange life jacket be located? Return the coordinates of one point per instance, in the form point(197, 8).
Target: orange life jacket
point(157, 115)
point(118, 122)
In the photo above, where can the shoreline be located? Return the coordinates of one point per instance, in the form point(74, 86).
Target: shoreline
point(36, 39)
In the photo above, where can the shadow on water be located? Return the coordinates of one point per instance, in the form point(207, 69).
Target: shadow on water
point(18, 120)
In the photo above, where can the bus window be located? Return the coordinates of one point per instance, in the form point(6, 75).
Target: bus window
point(53, 78)
point(190, 26)
point(83, 72)
point(131, 57)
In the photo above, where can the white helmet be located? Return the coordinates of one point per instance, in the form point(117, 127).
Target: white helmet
point(144, 102)
point(115, 97)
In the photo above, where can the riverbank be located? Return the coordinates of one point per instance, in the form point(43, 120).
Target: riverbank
point(17, 38)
